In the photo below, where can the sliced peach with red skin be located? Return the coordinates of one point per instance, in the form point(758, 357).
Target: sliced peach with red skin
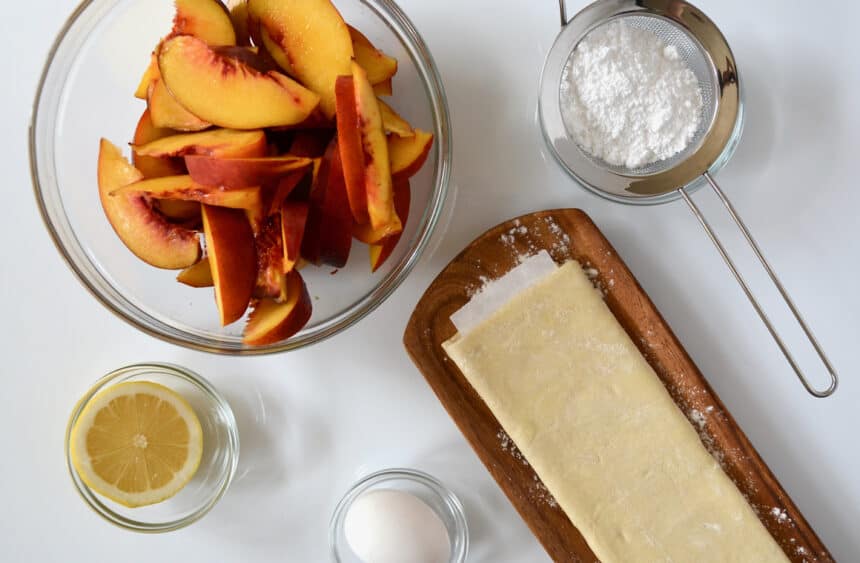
point(242, 172)
point(270, 258)
point(272, 322)
point(208, 20)
point(381, 251)
point(351, 148)
point(393, 123)
point(149, 75)
point(409, 154)
point(369, 235)
point(379, 66)
point(294, 217)
point(377, 168)
point(233, 260)
point(198, 275)
point(184, 188)
point(144, 231)
point(227, 92)
point(328, 230)
point(310, 251)
point(385, 88)
point(336, 224)
point(275, 51)
point(222, 143)
point(149, 166)
point(168, 113)
point(312, 39)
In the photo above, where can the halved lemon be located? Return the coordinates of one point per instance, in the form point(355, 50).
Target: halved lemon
point(137, 443)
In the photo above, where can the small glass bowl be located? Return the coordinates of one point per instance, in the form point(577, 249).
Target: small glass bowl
point(446, 505)
point(86, 93)
point(217, 465)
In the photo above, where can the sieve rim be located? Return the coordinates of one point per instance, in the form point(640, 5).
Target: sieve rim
point(716, 145)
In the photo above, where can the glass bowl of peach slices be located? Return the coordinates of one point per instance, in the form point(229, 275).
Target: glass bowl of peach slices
point(240, 178)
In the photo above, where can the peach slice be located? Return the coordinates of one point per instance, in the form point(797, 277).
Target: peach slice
point(328, 231)
point(222, 143)
point(184, 188)
point(179, 210)
point(377, 168)
point(198, 275)
point(149, 166)
point(385, 88)
point(335, 237)
point(379, 66)
point(149, 75)
point(168, 113)
point(381, 251)
point(228, 92)
point(408, 155)
point(233, 261)
point(351, 149)
point(311, 37)
point(368, 235)
point(272, 322)
point(146, 233)
point(208, 20)
point(242, 172)
point(277, 54)
point(294, 216)
point(270, 261)
point(393, 123)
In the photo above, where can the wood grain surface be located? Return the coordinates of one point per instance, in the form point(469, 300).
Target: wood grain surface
point(570, 234)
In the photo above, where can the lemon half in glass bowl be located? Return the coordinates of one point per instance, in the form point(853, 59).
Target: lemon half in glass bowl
point(198, 465)
point(86, 93)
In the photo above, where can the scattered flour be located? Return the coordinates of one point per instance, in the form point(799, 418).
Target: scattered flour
point(537, 489)
point(508, 445)
point(780, 515)
point(628, 98)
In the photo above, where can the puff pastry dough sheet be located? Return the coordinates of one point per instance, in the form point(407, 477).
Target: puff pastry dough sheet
point(597, 425)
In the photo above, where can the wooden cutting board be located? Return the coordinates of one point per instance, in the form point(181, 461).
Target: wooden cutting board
point(566, 234)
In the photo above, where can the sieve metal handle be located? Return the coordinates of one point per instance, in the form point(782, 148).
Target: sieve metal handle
point(834, 378)
point(562, 7)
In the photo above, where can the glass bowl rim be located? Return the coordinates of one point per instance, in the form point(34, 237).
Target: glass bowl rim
point(451, 501)
point(90, 497)
point(430, 78)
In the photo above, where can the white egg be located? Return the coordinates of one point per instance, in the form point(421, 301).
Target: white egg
point(389, 526)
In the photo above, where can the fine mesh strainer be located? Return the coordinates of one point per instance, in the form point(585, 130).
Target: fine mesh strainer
point(706, 52)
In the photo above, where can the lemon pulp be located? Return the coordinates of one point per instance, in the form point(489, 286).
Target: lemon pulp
point(137, 443)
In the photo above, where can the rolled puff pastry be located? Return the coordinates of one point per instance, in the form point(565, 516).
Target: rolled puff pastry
point(597, 425)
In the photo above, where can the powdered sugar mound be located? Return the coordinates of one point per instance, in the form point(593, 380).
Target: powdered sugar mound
point(628, 98)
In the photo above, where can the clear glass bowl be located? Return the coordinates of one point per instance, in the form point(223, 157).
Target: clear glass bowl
point(217, 465)
point(86, 93)
point(446, 505)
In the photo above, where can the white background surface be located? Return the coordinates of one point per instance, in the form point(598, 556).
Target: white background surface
point(314, 421)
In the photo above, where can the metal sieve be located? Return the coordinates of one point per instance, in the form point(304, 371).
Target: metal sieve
point(705, 51)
